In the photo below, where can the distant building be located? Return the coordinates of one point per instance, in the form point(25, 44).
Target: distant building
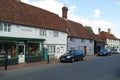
point(109, 39)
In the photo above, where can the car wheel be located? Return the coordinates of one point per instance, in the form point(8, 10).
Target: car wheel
point(110, 54)
point(73, 60)
point(82, 59)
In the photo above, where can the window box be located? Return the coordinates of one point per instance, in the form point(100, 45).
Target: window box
point(11, 61)
point(33, 59)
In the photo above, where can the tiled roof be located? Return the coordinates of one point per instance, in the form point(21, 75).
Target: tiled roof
point(106, 35)
point(20, 13)
point(75, 29)
point(99, 38)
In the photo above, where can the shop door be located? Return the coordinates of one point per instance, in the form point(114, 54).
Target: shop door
point(21, 53)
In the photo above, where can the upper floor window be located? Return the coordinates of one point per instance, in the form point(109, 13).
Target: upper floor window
point(5, 27)
point(42, 32)
point(72, 39)
point(82, 40)
point(55, 34)
point(91, 41)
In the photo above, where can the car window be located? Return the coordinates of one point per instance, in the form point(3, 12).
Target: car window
point(79, 52)
point(71, 52)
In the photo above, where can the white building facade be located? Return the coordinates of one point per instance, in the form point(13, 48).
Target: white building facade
point(113, 43)
point(81, 44)
point(28, 41)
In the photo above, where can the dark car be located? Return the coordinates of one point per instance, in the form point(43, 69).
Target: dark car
point(72, 56)
point(104, 52)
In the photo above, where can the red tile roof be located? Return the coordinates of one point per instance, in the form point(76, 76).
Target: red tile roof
point(106, 35)
point(20, 13)
point(75, 29)
point(99, 38)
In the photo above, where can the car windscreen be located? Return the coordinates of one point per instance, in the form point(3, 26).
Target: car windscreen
point(76, 52)
point(103, 50)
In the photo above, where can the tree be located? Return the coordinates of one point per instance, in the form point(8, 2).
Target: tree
point(89, 29)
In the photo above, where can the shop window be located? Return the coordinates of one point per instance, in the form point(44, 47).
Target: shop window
point(9, 48)
point(34, 49)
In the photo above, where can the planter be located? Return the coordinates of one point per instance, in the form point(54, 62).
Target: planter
point(11, 61)
point(33, 59)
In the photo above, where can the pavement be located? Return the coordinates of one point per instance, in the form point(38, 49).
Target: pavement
point(24, 65)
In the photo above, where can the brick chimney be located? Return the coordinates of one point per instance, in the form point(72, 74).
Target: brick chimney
point(109, 30)
point(18, 0)
point(64, 12)
point(99, 30)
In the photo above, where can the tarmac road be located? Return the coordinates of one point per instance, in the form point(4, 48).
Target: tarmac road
point(98, 68)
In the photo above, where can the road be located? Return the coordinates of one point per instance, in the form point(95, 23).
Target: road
point(97, 68)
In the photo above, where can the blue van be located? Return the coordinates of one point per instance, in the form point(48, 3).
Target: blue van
point(72, 56)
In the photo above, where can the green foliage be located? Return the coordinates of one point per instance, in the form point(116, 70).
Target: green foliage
point(89, 28)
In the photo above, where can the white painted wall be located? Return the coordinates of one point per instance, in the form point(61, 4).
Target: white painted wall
point(77, 43)
point(113, 43)
point(32, 32)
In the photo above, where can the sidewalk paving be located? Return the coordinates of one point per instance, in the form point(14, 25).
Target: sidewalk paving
point(23, 65)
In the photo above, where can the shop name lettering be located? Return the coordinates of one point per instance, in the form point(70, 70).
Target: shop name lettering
point(26, 30)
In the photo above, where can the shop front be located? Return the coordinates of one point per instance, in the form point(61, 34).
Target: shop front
point(21, 50)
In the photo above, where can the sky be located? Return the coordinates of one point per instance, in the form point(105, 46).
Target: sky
point(102, 14)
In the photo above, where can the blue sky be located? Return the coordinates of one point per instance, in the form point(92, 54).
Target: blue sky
point(102, 14)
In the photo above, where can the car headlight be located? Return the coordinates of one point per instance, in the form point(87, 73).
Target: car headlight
point(68, 57)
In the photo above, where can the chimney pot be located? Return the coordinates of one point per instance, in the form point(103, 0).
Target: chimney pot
point(18, 0)
point(64, 12)
point(109, 30)
point(99, 30)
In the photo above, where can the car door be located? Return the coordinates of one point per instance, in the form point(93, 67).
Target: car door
point(77, 56)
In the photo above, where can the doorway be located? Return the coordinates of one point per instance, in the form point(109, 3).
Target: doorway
point(21, 53)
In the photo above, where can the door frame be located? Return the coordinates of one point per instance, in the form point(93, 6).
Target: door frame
point(22, 55)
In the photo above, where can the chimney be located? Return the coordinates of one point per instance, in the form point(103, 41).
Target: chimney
point(64, 12)
point(109, 30)
point(99, 30)
point(18, 0)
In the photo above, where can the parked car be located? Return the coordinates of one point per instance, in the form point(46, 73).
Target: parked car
point(104, 52)
point(115, 50)
point(72, 56)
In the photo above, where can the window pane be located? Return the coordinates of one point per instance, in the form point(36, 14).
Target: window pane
point(9, 27)
point(33, 49)
point(1, 27)
point(5, 27)
point(9, 48)
point(55, 34)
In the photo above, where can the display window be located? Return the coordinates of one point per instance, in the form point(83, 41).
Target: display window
point(8, 48)
point(34, 49)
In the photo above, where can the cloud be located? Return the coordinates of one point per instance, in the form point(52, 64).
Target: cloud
point(96, 13)
point(72, 8)
point(95, 24)
point(118, 3)
point(56, 7)
point(50, 5)
point(25, 1)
